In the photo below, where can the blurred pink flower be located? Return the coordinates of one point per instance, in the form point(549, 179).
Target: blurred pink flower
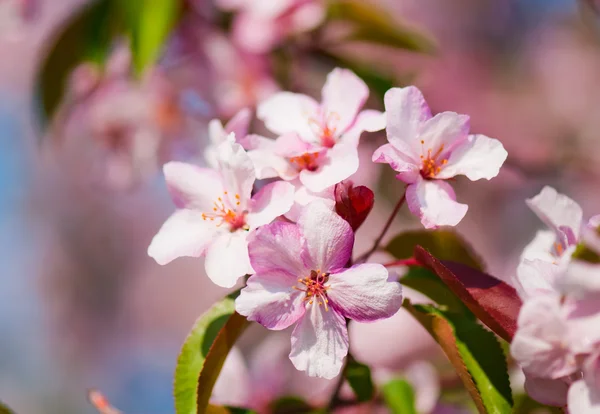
point(240, 79)
point(14, 15)
point(216, 213)
point(584, 394)
point(300, 278)
point(317, 141)
point(260, 25)
point(427, 150)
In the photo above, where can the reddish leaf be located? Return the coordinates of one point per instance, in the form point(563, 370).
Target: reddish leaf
point(353, 204)
point(494, 302)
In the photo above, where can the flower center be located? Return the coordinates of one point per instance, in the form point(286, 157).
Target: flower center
point(314, 286)
point(326, 129)
point(430, 164)
point(306, 161)
point(226, 211)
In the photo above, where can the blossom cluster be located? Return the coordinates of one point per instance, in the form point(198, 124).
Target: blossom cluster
point(558, 336)
point(286, 234)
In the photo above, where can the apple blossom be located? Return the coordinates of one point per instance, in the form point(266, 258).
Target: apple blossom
point(216, 213)
point(301, 279)
point(426, 151)
point(14, 14)
point(317, 141)
point(218, 134)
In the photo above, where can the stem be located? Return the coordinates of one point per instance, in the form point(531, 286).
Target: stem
point(363, 258)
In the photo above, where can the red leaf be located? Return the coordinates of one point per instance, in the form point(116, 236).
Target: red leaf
point(353, 204)
point(494, 302)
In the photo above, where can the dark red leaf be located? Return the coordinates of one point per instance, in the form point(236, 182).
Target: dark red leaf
point(353, 204)
point(494, 302)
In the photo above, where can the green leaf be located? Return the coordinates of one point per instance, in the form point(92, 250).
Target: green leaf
point(218, 409)
point(4, 409)
point(399, 397)
point(425, 281)
point(584, 253)
point(203, 354)
point(443, 244)
point(86, 37)
point(149, 23)
point(373, 24)
point(475, 354)
point(359, 378)
point(290, 405)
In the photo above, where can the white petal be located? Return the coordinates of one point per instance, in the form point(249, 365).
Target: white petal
point(329, 238)
point(433, 201)
point(540, 247)
point(227, 258)
point(237, 170)
point(185, 233)
point(239, 124)
point(272, 201)
point(408, 168)
point(364, 294)
point(320, 342)
point(193, 187)
point(368, 120)
point(537, 277)
point(344, 94)
point(339, 163)
point(478, 157)
point(582, 399)
point(288, 112)
point(406, 111)
point(442, 133)
point(557, 210)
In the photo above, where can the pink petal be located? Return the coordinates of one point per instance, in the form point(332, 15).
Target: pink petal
point(320, 342)
point(255, 34)
point(185, 233)
point(227, 258)
point(582, 279)
point(541, 247)
point(303, 196)
point(542, 342)
point(272, 201)
point(406, 111)
point(344, 94)
point(368, 120)
point(537, 277)
point(425, 380)
point(291, 145)
point(191, 186)
point(339, 163)
point(408, 169)
point(239, 124)
point(582, 399)
point(442, 132)
point(591, 371)
point(364, 294)
point(307, 17)
point(434, 203)
point(233, 385)
point(237, 170)
point(477, 157)
point(547, 391)
point(556, 210)
point(287, 112)
point(278, 247)
point(329, 238)
point(270, 299)
point(267, 163)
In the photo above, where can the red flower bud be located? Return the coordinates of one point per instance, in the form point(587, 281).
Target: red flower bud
point(353, 204)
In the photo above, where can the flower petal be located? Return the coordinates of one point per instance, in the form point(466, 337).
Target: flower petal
point(368, 120)
point(233, 384)
point(320, 342)
point(477, 157)
point(303, 196)
point(270, 299)
point(547, 391)
point(582, 279)
point(287, 112)
point(277, 247)
point(239, 124)
point(434, 203)
point(537, 277)
point(364, 294)
point(237, 170)
point(540, 247)
point(185, 233)
point(329, 238)
point(192, 187)
point(406, 111)
point(557, 210)
point(442, 133)
point(267, 163)
point(582, 399)
point(227, 258)
point(408, 169)
point(338, 163)
point(272, 201)
point(542, 342)
point(344, 94)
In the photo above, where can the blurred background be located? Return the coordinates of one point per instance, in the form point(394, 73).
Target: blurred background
point(81, 193)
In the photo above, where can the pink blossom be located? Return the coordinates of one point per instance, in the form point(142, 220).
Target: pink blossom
point(238, 125)
point(301, 279)
point(317, 141)
point(216, 213)
point(303, 197)
point(426, 151)
point(563, 216)
point(261, 25)
point(14, 14)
